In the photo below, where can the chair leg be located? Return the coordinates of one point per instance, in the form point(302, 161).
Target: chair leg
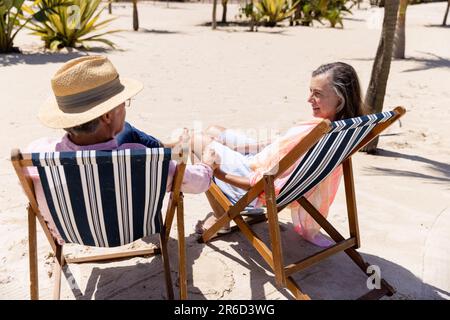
point(169, 217)
point(181, 249)
point(386, 288)
point(274, 231)
point(212, 231)
point(248, 220)
point(59, 261)
point(337, 237)
point(295, 289)
point(351, 201)
point(223, 220)
point(166, 263)
point(33, 261)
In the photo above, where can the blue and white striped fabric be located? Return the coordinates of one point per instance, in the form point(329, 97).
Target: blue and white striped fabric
point(328, 153)
point(104, 198)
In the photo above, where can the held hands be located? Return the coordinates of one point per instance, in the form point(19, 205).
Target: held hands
point(179, 145)
point(180, 141)
point(211, 158)
point(183, 139)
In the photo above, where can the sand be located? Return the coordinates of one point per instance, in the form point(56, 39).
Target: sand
point(195, 77)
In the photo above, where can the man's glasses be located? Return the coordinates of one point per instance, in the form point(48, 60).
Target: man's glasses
point(128, 103)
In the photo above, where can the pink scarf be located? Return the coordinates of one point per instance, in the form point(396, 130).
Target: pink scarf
point(321, 196)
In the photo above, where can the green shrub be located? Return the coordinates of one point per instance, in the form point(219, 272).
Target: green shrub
point(268, 12)
point(12, 20)
point(73, 24)
point(308, 11)
point(274, 11)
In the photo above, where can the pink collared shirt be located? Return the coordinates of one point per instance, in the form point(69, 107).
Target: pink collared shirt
point(196, 179)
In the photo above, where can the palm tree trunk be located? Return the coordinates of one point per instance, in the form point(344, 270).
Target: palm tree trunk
point(135, 16)
point(110, 6)
point(6, 44)
point(446, 14)
point(214, 21)
point(399, 39)
point(252, 18)
point(381, 66)
point(224, 11)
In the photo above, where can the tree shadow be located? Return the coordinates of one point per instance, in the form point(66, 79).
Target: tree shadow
point(276, 30)
point(226, 24)
point(426, 64)
point(447, 26)
point(336, 277)
point(441, 169)
point(438, 62)
point(353, 19)
point(156, 31)
point(45, 57)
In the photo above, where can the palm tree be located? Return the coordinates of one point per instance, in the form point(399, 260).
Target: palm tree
point(381, 66)
point(135, 16)
point(214, 21)
point(224, 11)
point(399, 39)
point(446, 14)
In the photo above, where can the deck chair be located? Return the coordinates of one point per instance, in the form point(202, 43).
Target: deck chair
point(103, 199)
point(328, 145)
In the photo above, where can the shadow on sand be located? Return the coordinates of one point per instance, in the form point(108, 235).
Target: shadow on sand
point(46, 57)
point(447, 26)
point(157, 31)
point(433, 62)
point(334, 278)
point(441, 169)
point(143, 280)
point(278, 30)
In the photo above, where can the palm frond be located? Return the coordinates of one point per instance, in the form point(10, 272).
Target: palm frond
point(68, 25)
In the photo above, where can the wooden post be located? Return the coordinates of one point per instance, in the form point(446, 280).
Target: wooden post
point(33, 260)
point(166, 264)
point(274, 229)
point(57, 272)
point(181, 249)
point(351, 201)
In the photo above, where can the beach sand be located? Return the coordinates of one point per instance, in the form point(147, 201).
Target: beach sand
point(195, 77)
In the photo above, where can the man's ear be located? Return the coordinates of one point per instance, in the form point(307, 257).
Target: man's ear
point(107, 117)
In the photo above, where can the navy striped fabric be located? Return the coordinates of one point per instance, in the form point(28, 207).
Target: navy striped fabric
point(105, 198)
point(328, 153)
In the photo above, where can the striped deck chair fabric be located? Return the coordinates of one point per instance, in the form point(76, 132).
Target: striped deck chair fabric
point(105, 198)
point(328, 153)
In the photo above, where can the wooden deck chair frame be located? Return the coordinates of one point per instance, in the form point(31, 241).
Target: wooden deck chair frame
point(274, 257)
point(21, 161)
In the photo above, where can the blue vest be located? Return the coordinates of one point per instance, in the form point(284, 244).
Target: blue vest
point(130, 134)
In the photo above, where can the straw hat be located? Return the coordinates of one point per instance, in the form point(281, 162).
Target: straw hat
point(84, 89)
